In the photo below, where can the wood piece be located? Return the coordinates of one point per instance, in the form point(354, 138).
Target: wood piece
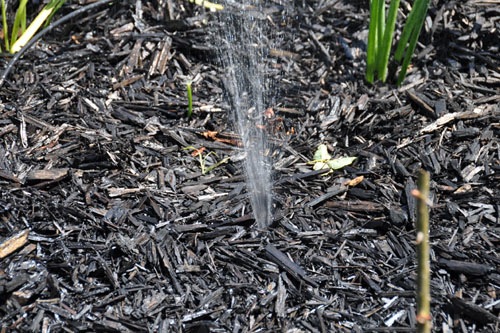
point(468, 268)
point(468, 309)
point(13, 243)
point(50, 174)
point(282, 261)
point(356, 206)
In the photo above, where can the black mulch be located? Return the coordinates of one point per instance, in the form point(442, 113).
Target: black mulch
point(118, 230)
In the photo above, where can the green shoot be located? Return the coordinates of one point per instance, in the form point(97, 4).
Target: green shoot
point(4, 24)
point(21, 35)
point(411, 31)
point(374, 33)
point(380, 38)
point(190, 99)
point(19, 25)
point(386, 41)
point(323, 160)
point(202, 158)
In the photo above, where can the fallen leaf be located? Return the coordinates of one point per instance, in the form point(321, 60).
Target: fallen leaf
point(322, 160)
point(339, 163)
point(210, 134)
point(321, 153)
point(198, 151)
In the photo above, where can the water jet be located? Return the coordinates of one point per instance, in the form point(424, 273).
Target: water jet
point(242, 50)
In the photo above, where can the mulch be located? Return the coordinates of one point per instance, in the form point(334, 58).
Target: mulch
point(120, 214)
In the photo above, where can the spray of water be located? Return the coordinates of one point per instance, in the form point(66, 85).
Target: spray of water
point(242, 51)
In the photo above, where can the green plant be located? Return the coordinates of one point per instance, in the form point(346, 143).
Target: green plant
point(202, 158)
point(380, 38)
point(20, 34)
point(190, 99)
point(323, 160)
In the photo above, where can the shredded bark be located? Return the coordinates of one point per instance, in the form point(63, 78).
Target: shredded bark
point(120, 214)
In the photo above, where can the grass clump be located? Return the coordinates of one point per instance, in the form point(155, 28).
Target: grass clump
point(380, 38)
point(21, 34)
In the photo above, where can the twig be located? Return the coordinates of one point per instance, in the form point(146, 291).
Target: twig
point(424, 320)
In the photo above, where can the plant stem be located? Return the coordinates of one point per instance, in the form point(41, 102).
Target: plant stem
point(5, 28)
point(19, 22)
point(380, 23)
point(420, 11)
point(190, 99)
point(371, 52)
point(385, 49)
point(424, 321)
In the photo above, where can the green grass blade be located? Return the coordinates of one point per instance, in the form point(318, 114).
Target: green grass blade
point(420, 19)
point(57, 4)
point(386, 41)
point(380, 23)
point(5, 27)
point(405, 36)
point(411, 22)
point(22, 22)
point(190, 99)
point(19, 22)
point(371, 51)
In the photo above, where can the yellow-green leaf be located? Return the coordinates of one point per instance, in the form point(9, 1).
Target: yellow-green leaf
point(320, 165)
point(323, 160)
point(321, 153)
point(339, 163)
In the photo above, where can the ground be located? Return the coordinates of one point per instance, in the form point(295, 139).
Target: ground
point(109, 223)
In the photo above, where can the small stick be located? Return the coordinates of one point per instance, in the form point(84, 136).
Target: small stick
point(424, 319)
point(42, 33)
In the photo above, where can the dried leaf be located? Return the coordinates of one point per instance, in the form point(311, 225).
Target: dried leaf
point(354, 182)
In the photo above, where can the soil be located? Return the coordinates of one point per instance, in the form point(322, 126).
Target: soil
point(121, 214)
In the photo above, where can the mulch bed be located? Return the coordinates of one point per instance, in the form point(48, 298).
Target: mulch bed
point(116, 228)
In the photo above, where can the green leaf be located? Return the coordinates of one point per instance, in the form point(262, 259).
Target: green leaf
point(371, 53)
point(321, 153)
point(43, 16)
point(190, 99)
point(420, 9)
point(323, 160)
point(339, 163)
point(5, 27)
point(386, 41)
